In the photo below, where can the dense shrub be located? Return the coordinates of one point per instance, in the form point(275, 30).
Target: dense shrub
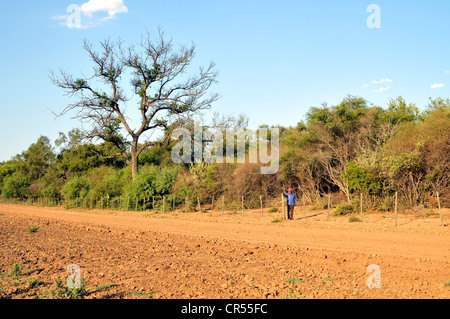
point(344, 209)
point(77, 187)
point(15, 186)
point(152, 181)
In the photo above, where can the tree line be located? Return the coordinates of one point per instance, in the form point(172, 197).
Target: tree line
point(348, 149)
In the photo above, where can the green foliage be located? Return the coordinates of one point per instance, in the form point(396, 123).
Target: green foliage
point(105, 286)
point(354, 219)
point(33, 282)
point(359, 179)
point(61, 291)
point(142, 294)
point(400, 112)
point(351, 147)
point(33, 229)
point(152, 181)
point(15, 271)
point(106, 181)
point(15, 186)
point(295, 280)
point(77, 187)
point(344, 209)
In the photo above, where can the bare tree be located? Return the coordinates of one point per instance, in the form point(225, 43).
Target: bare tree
point(166, 95)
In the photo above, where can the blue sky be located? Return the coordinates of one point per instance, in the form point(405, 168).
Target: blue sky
point(275, 59)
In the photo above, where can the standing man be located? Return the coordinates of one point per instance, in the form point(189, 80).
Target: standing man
point(290, 203)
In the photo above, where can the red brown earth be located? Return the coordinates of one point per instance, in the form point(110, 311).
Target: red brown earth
point(196, 256)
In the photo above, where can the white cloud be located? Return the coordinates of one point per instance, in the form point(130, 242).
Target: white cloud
point(112, 7)
point(82, 17)
point(382, 89)
point(437, 86)
point(447, 71)
point(381, 81)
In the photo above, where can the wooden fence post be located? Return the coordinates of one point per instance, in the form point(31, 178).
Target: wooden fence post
point(212, 206)
point(329, 204)
point(223, 200)
point(164, 204)
point(282, 204)
point(396, 205)
point(440, 210)
point(186, 203)
point(304, 206)
point(242, 205)
point(260, 202)
point(128, 202)
point(199, 206)
point(361, 204)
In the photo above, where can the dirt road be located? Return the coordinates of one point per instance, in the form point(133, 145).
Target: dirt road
point(179, 255)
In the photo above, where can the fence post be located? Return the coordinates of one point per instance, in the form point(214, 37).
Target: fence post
point(164, 204)
point(223, 200)
point(242, 205)
point(329, 202)
point(440, 211)
point(199, 206)
point(173, 203)
point(212, 206)
point(143, 205)
point(128, 202)
point(361, 206)
point(136, 206)
point(282, 204)
point(260, 202)
point(153, 202)
point(396, 205)
point(186, 204)
point(304, 206)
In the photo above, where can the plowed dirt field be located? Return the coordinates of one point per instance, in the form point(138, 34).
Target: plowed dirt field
point(180, 255)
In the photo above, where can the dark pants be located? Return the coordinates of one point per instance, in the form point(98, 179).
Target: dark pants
point(290, 211)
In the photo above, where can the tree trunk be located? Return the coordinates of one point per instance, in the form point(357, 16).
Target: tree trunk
point(134, 158)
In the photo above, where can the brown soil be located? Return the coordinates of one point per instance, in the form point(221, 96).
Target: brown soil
point(195, 255)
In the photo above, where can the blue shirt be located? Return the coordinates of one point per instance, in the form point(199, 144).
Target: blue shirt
point(290, 199)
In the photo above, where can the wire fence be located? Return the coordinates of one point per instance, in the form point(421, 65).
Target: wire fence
point(172, 203)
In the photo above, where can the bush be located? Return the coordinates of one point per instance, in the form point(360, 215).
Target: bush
point(77, 187)
point(344, 209)
point(152, 181)
point(273, 210)
point(354, 219)
point(106, 181)
point(320, 204)
point(15, 186)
